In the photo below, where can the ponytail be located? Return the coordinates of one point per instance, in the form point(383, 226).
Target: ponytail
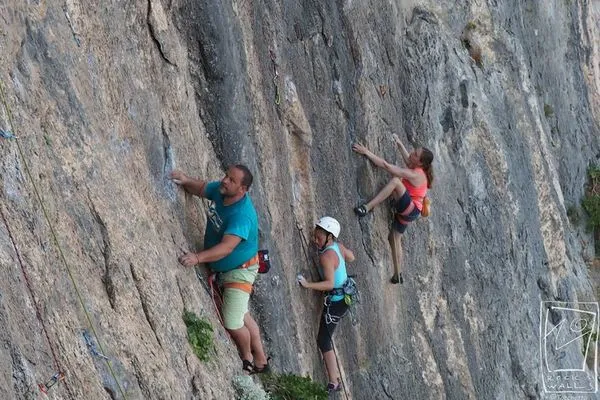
point(426, 160)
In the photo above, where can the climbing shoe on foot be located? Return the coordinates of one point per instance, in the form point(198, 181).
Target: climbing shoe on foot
point(397, 279)
point(334, 387)
point(361, 210)
point(264, 369)
point(248, 366)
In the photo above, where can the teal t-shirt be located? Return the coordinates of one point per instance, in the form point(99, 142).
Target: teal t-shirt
point(237, 219)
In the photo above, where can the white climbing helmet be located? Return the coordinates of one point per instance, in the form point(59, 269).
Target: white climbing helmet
point(330, 225)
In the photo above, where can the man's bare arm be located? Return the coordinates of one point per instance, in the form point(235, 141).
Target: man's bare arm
point(190, 185)
point(215, 253)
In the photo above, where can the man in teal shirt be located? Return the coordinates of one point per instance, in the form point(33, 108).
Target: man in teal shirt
point(230, 248)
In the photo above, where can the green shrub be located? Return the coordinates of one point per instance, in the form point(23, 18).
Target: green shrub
point(470, 26)
point(591, 200)
point(591, 204)
point(293, 387)
point(200, 335)
point(548, 111)
point(574, 215)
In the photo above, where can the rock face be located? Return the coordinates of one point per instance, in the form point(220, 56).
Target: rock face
point(107, 99)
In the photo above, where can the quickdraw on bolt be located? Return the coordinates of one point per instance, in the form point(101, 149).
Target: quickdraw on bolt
point(7, 134)
point(275, 77)
point(91, 345)
point(57, 377)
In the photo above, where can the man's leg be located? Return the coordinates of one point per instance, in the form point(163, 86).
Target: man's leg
point(235, 307)
point(235, 310)
point(242, 339)
point(256, 347)
point(394, 186)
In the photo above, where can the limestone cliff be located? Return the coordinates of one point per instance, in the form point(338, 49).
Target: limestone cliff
point(107, 98)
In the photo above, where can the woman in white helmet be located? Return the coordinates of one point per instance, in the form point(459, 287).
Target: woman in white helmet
point(332, 259)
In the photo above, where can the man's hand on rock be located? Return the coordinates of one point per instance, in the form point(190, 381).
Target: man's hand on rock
point(189, 260)
point(179, 177)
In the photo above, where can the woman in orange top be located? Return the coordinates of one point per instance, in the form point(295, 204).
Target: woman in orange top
point(408, 188)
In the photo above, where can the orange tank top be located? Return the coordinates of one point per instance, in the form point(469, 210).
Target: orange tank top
point(416, 193)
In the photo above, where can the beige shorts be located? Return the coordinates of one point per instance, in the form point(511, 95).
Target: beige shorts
point(235, 301)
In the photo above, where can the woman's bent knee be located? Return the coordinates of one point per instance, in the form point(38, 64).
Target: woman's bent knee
point(325, 344)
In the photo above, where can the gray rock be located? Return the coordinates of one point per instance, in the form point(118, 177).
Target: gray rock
point(106, 101)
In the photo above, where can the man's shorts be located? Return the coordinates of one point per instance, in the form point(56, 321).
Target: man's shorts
point(235, 301)
point(400, 206)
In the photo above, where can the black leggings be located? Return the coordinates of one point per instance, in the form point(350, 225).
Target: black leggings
point(337, 310)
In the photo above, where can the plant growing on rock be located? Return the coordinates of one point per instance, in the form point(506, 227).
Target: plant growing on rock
point(293, 387)
point(200, 335)
point(591, 203)
point(574, 215)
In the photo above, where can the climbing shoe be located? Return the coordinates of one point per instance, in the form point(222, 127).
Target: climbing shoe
point(248, 366)
point(361, 210)
point(397, 279)
point(334, 387)
point(264, 369)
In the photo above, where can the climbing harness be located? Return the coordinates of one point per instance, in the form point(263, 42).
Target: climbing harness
point(275, 76)
point(57, 243)
point(329, 318)
point(7, 134)
point(57, 377)
point(351, 297)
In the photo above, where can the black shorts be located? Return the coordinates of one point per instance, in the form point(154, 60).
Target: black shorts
point(400, 206)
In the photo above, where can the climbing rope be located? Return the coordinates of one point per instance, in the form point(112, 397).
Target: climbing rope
point(57, 365)
point(55, 238)
point(333, 319)
point(212, 287)
point(217, 298)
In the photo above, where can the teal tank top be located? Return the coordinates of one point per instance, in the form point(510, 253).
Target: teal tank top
point(340, 275)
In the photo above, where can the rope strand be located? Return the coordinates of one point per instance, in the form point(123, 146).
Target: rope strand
point(55, 238)
point(57, 365)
